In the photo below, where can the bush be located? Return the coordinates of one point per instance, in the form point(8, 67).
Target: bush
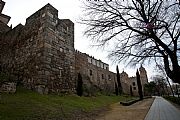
point(130, 102)
point(173, 99)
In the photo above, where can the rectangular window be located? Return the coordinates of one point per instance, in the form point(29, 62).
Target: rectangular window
point(102, 65)
point(134, 84)
point(94, 62)
point(98, 63)
point(90, 72)
point(89, 60)
point(134, 88)
point(102, 76)
point(109, 77)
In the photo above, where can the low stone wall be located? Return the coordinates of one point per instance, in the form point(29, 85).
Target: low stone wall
point(8, 87)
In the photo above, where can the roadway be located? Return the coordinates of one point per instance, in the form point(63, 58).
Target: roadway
point(161, 109)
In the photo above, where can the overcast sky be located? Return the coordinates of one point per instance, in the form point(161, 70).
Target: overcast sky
point(19, 10)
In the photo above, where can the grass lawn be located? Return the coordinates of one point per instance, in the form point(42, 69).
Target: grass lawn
point(29, 105)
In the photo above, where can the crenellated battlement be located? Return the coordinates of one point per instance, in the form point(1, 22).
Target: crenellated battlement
point(93, 61)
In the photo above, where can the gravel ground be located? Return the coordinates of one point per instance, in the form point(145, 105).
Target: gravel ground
point(136, 111)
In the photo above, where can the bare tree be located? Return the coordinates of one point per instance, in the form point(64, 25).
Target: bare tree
point(142, 30)
point(162, 71)
point(160, 82)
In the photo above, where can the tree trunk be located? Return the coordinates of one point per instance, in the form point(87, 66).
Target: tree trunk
point(118, 81)
point(139, 85)
point(170, 86)
point(173, 74)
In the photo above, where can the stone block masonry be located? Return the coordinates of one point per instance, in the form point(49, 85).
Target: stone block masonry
point(41, 55)
point(56, 70)
point(94, 72)
point(8, 87)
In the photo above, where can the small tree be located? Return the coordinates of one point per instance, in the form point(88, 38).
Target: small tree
point(161, 69)
point(118, 81)
point(116, 89)
point(79, 88)
point(149, 88)
point(139, 85)
point(161, 84)
point(131, 92)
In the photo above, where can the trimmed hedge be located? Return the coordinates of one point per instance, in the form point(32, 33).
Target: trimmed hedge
point(130, 102)
point(173, 99)
point(127, 103)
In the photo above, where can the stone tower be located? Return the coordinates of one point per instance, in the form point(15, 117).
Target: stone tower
point(132, 81)
point(125, 83)
point(143, 76)
point(40, 54)
point(56, 38)
point(4, 19)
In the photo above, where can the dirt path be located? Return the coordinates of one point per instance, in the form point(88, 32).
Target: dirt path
point(136, 111)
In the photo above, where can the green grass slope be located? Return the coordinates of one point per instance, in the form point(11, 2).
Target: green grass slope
point(29, 105)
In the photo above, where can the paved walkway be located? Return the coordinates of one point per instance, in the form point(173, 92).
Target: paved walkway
point(161, 109)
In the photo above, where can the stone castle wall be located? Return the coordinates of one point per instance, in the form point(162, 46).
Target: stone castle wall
point(41, 55)
point(94, 72)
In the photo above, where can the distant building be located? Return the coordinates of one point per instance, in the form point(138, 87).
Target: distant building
point(132, 81)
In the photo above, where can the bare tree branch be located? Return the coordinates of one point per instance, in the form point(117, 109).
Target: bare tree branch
point(146, 30)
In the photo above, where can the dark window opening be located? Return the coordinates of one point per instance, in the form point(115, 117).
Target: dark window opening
point(102, 76)
point(134, 84)
point(134, 88)
point(90, 72)
point(109, 77)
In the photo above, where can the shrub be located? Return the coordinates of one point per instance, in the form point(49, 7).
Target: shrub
point(173, 99)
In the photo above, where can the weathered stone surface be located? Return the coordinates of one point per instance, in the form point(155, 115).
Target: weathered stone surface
point(32, 52)
point(93, 74)
point(41, 56)
point(8, 87)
